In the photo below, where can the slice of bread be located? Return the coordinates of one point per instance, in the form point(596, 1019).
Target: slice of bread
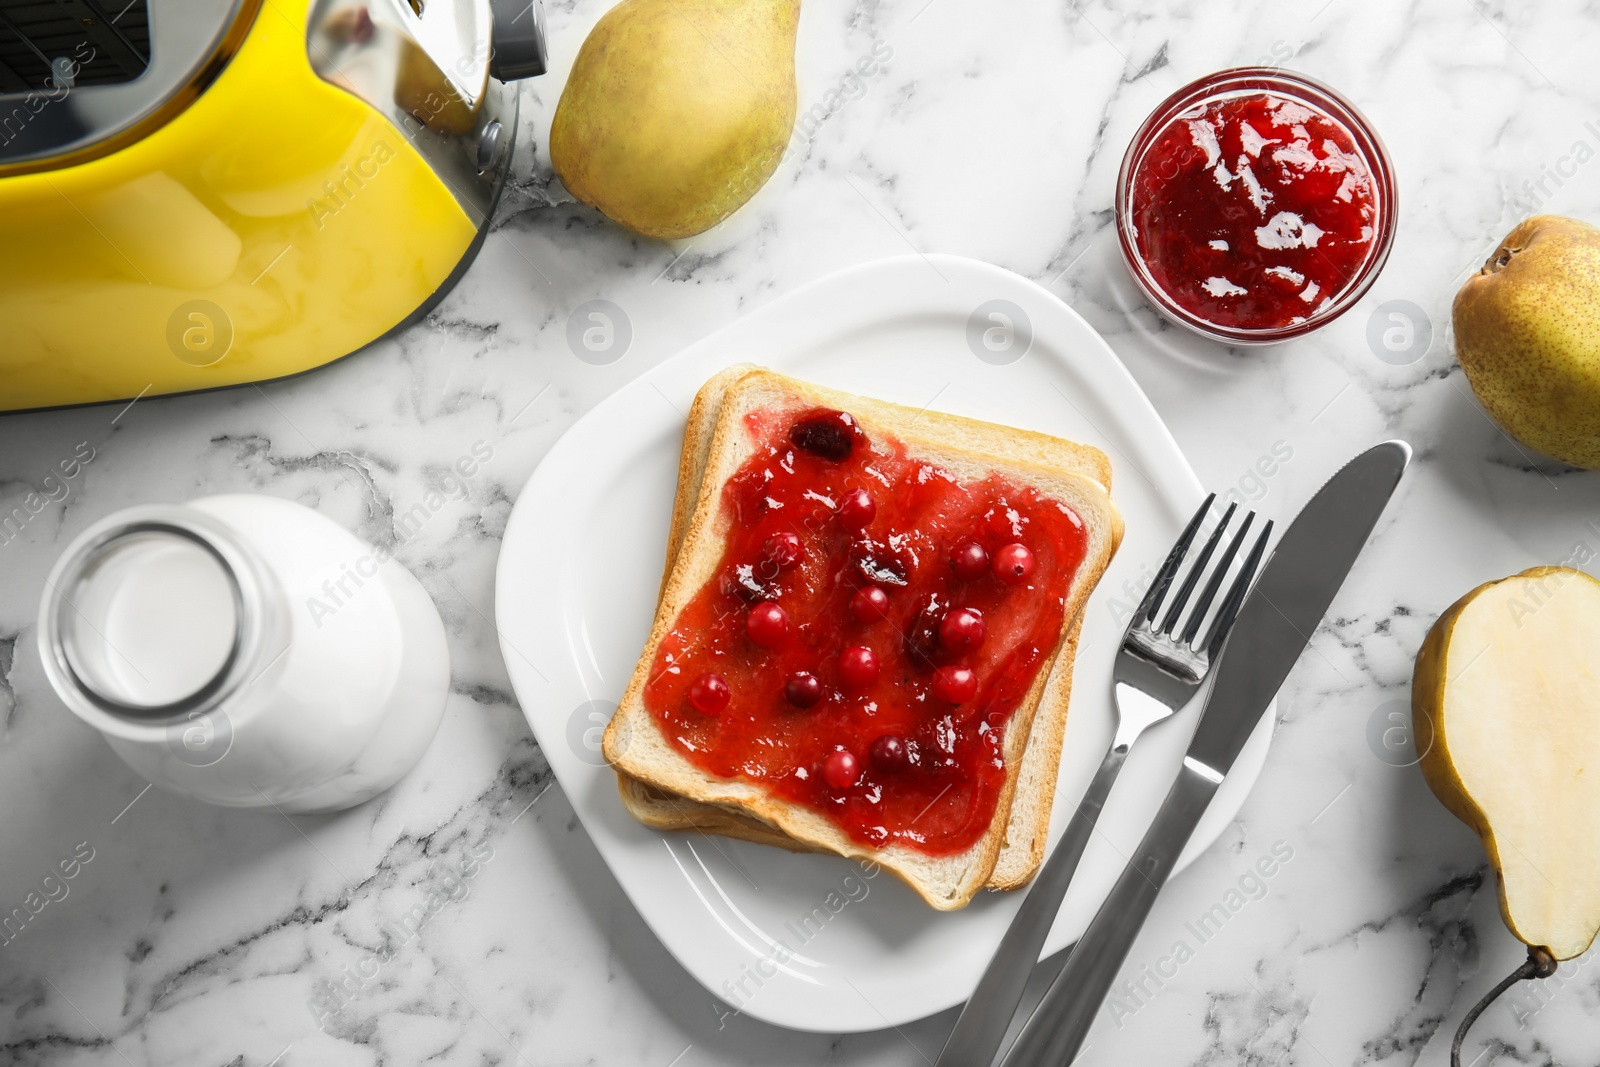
point(1028, 825)
point(663, 789)
point(1023, 848)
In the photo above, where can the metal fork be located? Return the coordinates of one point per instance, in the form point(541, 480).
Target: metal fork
point(1156, 673)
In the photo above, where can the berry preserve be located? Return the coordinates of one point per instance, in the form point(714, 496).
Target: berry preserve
point(883, 701)
point(1255, 206)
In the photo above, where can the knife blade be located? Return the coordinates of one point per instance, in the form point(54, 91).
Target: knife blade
point(1284, 607)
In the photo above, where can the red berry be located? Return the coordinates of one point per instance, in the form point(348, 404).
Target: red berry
point(803, 689)
point(1013, 563)
point(840, 770)
point(783, 549)
point(870, 603)
point(888, 753)
point(829, 434)
point(709, 694)
point(856, 510)
point(767, 624)
point(955, 685)
point(969, 561)
point(962, 630)
point(858, 667)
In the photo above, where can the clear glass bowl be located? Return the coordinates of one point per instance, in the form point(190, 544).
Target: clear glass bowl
point(1244, 81)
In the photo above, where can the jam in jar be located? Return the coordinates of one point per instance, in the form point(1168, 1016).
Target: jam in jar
point(1255, 206)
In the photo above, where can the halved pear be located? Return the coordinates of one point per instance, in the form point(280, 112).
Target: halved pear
point(1506, 706)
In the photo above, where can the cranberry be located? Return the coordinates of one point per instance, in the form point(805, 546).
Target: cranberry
point(783, 549)
point(921, 641)
point(803, 689)
point(1013, 563)
point(879, 563)
point(869, 604)
point(857, 510)
point(767, 624)
point(709, 694)
point(840, 770)
point(962, 630)
point(888, 753)
point(969, 561)
point(829, 434)
point(858, 667)
point(955, 685)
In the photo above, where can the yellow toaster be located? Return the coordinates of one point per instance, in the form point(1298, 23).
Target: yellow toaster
point(200, 193)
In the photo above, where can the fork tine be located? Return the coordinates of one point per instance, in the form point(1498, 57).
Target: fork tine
point(1169, 568)
point(1241, 585)
point(1201, 606)
point(1195, 571)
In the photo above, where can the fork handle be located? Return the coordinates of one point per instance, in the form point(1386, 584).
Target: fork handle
point(985, 1019)
point(1052, 1037)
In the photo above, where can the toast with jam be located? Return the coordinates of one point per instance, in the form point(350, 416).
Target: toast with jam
point(1023, 847)
point(866, 631)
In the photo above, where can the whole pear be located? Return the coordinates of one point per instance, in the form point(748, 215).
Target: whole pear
point(1528, 335)
point(677, 111)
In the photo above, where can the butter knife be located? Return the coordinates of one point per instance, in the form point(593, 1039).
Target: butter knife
point(1278, 617)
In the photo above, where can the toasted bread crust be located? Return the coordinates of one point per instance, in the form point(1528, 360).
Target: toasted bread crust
point(1028, 824)
point(673, 793)
point(696, 451)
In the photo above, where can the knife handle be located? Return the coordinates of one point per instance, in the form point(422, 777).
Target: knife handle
point(1052, 1036)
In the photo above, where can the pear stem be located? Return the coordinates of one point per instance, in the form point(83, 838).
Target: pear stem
point(1539, 964)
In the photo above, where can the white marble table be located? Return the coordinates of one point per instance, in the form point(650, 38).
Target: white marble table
point(199, 936)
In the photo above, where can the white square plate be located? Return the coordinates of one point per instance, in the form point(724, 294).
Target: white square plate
point(806, 941)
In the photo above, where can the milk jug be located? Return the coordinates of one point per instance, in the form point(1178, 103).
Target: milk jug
point(246, 651)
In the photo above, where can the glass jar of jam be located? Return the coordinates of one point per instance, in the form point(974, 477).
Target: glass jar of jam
point(1255, 206)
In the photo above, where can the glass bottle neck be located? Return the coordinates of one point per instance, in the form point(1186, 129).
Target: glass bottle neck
point(159, 614)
